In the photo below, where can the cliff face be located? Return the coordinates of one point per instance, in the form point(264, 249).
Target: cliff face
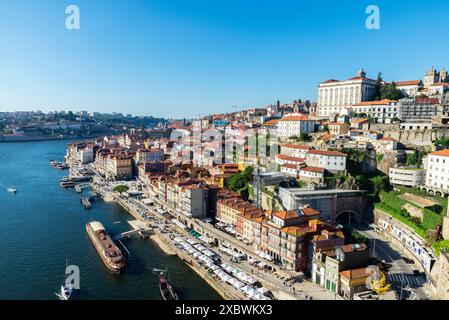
point(440, 276)
point(388, 161)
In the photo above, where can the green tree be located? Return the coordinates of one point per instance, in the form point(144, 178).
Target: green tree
point(443, 142)
point(414, 159)
point(238, 182)
point(120, 188)
point(379, 83)
point(380, 183)
point(389, 91)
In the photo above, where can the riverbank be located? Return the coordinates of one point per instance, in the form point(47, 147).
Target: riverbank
point(160, 243)
point(169, 249)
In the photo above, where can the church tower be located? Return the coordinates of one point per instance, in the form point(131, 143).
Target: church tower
point(361, 73)
point(430, 77)
point(444, 77)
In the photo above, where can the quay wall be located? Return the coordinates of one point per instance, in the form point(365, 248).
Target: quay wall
point(224, 292)
point(221, 289)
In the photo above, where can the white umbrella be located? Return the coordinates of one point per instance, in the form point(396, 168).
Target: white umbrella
point(226, 278)
point(258, 296)
point(197, 254)
point(217, 271)
point(214, 267)
point(238, 284)
point(241, 275)
point(252, 293)
point(245, 289)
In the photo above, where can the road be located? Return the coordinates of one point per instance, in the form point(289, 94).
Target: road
point(401, 272)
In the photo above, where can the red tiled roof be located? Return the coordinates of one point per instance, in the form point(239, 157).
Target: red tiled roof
point(310, 212)
point(408, 83)
point(328, 153)
point(356, 273)
point(312, 169)
point(386, 139)
point(441, 153)
point(289, 158)
point(296, 118)
point(284, 215)
point(375, 103)
point(296, 146)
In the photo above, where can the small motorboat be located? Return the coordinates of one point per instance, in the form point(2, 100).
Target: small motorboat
point(66, 292)
point(12, 190)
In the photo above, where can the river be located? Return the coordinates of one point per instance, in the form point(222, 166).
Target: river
point(42, 225)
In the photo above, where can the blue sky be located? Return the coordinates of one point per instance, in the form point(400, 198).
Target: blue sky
point(177, 58)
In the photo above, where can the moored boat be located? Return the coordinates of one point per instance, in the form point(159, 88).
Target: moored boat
point(109, 252)
point(167, 291)
point(11, 190)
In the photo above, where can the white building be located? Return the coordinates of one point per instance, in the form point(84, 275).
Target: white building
point(438, 89)
point(384, 111)
point(329, 160)
point(409, 177)
point(437, 176)
point(295, 150)
point(334, 96)
point(313, 174)
point(86, 154)
point(294, 125)
point(409, 88)
point(290, 169)
point(386, 144)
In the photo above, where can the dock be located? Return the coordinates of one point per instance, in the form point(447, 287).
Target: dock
point(78, 188)
point(138, 227)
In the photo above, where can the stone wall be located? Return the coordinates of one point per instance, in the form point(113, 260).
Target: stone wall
point(421, 139)
point(440, 276)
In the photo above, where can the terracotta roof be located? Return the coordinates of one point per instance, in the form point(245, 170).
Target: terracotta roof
point(386, 139)
point(328, 153)
point(325, 137)
point(408, 83)
point(330, 81)
point(356, 273)
point(441, 153)
point(360, 120)
point(375, 103)
point(312, 169)
point(284, 215)
point(296, 118)
point(289, 158)
point(296, 146)
point(297, 230)
point(271, 122)
point(310, 211)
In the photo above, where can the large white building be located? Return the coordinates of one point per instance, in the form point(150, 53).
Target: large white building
point(294, 125)
point(437, 176)
point(410, 177)
point(333, 161)
point(334, 96)
point(384, 111)
point(409, 88)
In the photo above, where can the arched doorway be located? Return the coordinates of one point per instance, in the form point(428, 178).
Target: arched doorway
point(348, 217)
